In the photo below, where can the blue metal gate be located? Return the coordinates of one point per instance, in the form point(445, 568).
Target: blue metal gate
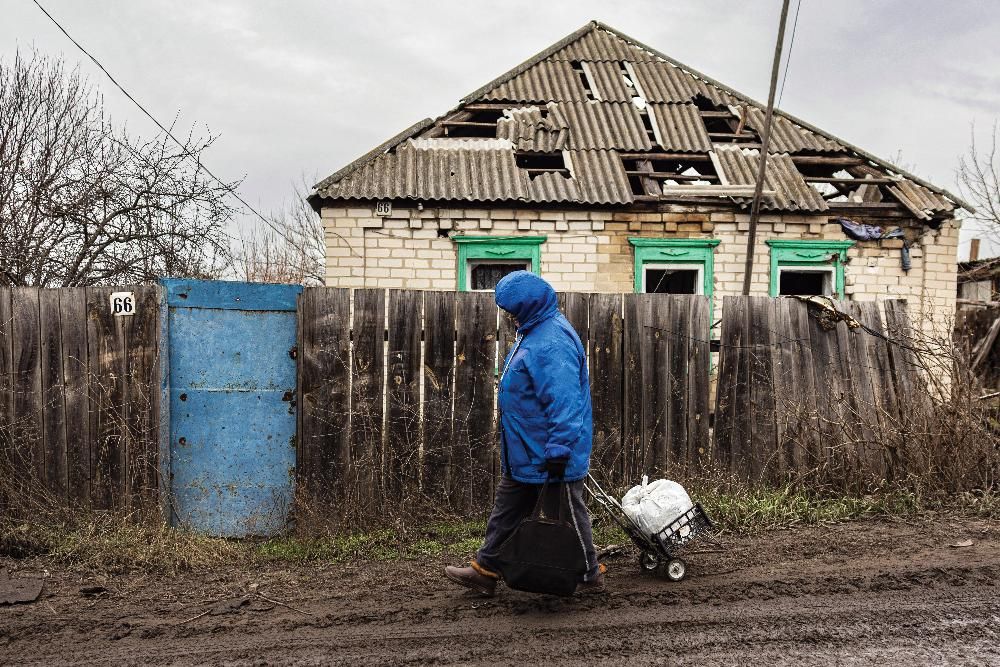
point(230, 386)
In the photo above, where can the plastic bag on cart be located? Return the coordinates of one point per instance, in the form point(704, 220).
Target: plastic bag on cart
point(653, 505)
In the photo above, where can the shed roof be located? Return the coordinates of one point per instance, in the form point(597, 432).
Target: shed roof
point(600, 118)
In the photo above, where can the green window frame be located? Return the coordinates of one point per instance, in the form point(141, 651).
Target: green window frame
point(808, 253)
point(675, 251)
point(526, 248)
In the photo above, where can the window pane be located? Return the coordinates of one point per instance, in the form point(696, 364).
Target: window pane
point(485, 276)
point(803, 283)
point(671, 281)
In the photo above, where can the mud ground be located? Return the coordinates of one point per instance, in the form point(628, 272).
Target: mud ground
point(857, 593)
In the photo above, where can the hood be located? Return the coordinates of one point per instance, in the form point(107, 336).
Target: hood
point(527, 297)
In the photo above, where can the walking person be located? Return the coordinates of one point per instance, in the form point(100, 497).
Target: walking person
point(546, 430)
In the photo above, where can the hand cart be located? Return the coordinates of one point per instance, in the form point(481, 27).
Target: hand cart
point(657, 552)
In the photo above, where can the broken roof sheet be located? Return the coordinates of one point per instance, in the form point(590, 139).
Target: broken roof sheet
point(679, 127)
point(738, 166)
point(447, 169)
point(587, 98)
point(531, 129)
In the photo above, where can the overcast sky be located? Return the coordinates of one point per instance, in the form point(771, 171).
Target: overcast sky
point(298, 88)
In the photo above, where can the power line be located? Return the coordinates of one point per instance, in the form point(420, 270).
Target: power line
point(200, 165)
point(788, 58)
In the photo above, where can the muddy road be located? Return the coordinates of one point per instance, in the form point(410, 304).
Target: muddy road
point(858, 593)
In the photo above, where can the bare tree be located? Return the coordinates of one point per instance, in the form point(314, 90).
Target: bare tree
point(81, 202)
point(291, 251)
point(979, 180)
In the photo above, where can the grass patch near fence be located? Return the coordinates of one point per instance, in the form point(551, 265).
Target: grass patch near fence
point(109, 543)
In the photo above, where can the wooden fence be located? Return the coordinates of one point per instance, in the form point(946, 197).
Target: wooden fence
point(801, 392)
point(402, 397)
point(396, 391)
point(78, 394)
point(977, 333)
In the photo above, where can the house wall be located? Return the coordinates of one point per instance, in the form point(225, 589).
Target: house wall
point(588, 251)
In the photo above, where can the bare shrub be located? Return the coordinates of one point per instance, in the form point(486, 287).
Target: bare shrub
point(84, 203)
point(937, 437)
point(291, 251)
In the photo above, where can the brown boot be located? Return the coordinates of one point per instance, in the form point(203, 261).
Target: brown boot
point(476, 577)
point(595, 585)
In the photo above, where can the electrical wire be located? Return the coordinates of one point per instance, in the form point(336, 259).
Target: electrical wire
point(791, 45)
point(198, 163)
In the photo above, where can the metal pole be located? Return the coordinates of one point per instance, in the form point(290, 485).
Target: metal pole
point(764, 141)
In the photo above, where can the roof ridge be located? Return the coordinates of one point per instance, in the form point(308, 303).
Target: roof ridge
point(422, 125)
point(809, 126)
point(529, 63)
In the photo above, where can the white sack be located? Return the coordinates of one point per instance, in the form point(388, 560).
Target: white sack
point(653, 505)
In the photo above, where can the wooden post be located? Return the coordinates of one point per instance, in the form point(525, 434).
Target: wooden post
point(764, 142)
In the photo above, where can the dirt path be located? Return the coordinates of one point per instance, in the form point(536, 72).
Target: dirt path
point(861, 593)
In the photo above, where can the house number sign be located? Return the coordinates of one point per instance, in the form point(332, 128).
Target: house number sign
point(383, 208)
point(123, 303)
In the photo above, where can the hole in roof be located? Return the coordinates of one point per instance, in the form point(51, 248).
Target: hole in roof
point(588, 84)
point(542, 163)
point(481, 123)
point(647, 176)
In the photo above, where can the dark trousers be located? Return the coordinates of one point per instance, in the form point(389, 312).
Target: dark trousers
point(515, 502)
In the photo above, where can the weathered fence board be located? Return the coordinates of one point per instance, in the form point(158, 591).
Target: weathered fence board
point(142, 392)
point(368, 363)
point(475, 367)
point(29, 442)
point(7, 453)
point(817, 390)
point(324, 441)
point(605, 333)
point(52, 396)
point(73, 315)
point(106, 360)
point(698, 409)
point(439, 374)
point(402, 452)
point(633, 456)
point(575, 306)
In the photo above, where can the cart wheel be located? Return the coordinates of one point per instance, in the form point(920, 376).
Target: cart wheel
point(675, 569)
point(648, 562)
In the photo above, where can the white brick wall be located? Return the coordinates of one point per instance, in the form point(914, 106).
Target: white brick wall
point(589, 251)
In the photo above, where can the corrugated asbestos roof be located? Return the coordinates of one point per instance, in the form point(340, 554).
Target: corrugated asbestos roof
point(605, 125)
point(787, 137)
point(738, 166)
point(481, 170)
point(680, 128)
point(548, 81)
point(587, 98)
point(526, 128)
point(608, 81)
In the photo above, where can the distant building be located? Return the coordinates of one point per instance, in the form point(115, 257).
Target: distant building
point(607, 166)
point(979, 280)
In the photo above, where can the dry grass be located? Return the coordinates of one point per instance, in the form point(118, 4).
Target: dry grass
point(114, 543)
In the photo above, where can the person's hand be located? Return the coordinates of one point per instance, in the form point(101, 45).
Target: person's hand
point(556, 468)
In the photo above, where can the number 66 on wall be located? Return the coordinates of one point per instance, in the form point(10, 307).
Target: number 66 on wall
point(123, 303)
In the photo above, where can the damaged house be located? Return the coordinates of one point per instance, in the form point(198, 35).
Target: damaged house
point(606, 166)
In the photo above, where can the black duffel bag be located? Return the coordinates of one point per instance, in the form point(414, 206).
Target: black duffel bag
point(544, 555)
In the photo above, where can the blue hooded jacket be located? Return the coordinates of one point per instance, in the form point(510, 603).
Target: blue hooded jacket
point(544, 394)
